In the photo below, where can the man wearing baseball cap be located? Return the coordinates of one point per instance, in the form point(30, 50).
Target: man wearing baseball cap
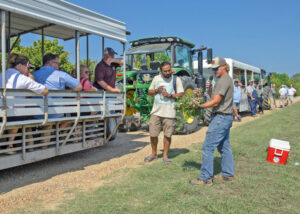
point(105, 72)
point(217, 135)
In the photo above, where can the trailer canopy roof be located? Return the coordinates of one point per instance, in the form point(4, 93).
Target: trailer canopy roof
point(59, 19)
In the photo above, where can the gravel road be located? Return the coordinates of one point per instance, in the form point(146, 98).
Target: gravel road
point(48, 180)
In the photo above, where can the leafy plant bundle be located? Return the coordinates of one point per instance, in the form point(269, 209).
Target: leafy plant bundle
point(188, 106)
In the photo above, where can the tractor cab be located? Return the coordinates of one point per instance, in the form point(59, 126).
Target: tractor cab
point(145, 55)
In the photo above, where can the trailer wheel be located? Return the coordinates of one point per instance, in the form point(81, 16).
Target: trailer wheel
point(266, 98)
point(110, 125)
point(192, 122)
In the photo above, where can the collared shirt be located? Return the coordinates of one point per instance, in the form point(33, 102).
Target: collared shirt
point(237, 93)
point(14, 79)
point(54, 79)
point(106, 73)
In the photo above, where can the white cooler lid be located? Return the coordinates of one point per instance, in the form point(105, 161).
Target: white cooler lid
point(280, 144)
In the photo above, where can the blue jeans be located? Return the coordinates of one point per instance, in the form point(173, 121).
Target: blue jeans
point(252, 104)
point(217, 136)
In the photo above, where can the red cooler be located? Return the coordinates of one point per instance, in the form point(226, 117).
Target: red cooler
point(278, 151)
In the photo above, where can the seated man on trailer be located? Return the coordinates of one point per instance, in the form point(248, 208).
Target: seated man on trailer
point(54, 79)
point(105, 71)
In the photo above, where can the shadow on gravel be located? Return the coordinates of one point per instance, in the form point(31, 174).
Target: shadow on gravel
point(40, 171)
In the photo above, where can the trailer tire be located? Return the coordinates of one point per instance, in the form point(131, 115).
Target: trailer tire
point(192, 123)
point(110, 125)
point(266, 98)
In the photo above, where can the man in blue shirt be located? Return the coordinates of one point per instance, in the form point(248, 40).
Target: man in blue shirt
point(237, 93)
point(50, 76)
point(54, 79)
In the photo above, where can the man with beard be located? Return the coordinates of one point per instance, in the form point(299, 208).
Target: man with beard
point(163, 113)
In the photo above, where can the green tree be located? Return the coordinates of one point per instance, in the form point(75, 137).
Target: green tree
point(296, 77)
point(34, 53)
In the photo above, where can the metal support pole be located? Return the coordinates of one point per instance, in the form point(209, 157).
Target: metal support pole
point(102, 47)
point(3, 45)
point(77, 54)
point(245, 76)
point(9, 28)
point(87, 50)
point(43, 44)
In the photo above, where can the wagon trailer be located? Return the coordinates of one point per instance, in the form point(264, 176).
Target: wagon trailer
point(62, 20)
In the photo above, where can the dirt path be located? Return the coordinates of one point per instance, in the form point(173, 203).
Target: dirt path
point(48, 180)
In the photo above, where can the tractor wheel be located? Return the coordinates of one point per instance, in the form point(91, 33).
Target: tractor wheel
point(266, 98)
point(127, 125)
point(207, 116)
point(191, 122)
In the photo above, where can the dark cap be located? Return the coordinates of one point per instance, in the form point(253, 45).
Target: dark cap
point(110, 51)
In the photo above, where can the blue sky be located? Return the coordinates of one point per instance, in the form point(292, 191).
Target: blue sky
point(263, 33)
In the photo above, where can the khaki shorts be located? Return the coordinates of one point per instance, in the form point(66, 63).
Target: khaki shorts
point(156, 124)
point(291, 98)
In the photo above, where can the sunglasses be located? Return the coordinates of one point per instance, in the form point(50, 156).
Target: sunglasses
point(215, 69)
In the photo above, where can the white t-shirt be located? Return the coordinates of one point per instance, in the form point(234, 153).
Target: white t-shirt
point(291, 91)
point(14, 79)
point(164, 107)
point(282, 92)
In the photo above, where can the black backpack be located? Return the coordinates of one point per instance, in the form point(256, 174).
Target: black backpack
point(174, 83)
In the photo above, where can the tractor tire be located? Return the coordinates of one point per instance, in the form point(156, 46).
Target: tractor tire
point(192, 123)
point(130, 124)
point(266, 98)
point(207, 116)
point(110, 125)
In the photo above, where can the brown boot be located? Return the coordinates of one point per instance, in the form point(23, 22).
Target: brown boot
point(222, 178)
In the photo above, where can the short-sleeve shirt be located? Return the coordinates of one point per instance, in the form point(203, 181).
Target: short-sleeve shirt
point(250, 89)
point(282, 92)
point(237, 93)
point(106, 73)
point(14, 79)
point(86, 85)
point(224, 87)
point(291, 91)
point(54, 79)
point(164, 107)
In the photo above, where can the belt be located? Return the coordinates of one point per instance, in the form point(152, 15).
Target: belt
point(220, 113)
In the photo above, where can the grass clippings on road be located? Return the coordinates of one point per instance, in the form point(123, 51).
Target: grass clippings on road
point(261, 187)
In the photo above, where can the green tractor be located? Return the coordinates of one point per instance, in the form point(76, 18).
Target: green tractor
point(143, 63)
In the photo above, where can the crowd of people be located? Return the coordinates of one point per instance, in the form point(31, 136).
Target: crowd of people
point(51, 77)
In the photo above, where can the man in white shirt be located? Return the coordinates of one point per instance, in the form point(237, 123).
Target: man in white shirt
point(282, 95)
point(163, 113)
point(291, 93)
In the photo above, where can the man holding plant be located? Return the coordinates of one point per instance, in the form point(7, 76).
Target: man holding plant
point(217, 135)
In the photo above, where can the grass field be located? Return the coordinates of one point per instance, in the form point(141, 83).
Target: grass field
point(261, 187)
